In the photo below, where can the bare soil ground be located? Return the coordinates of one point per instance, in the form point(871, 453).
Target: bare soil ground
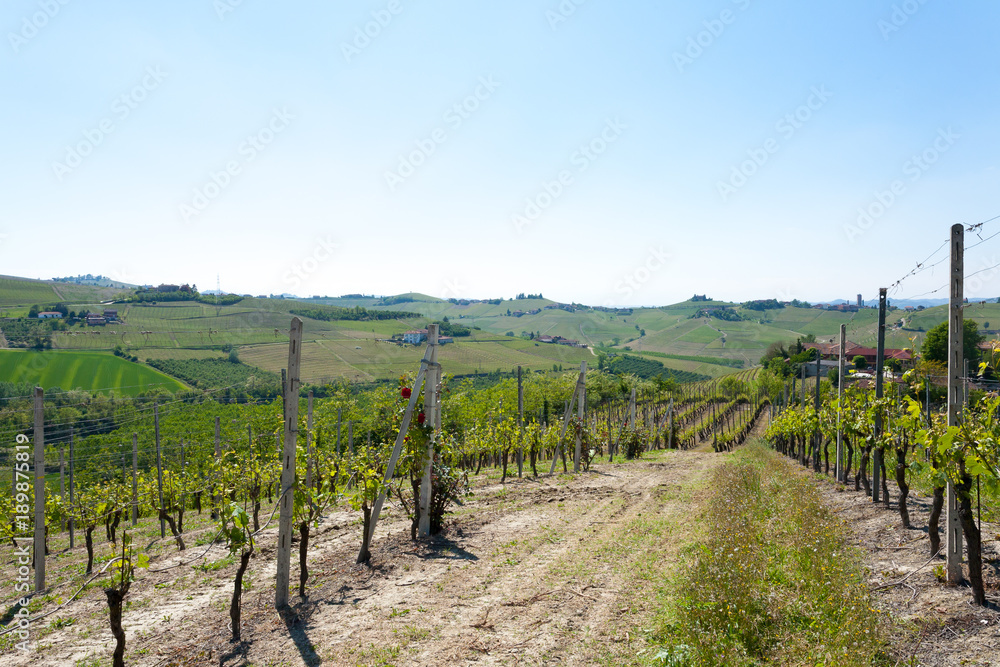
point(555, 570)
point(560, 570)
point(937, 624)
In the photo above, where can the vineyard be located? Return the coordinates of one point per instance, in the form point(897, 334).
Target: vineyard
point(138, 487)
point(903, 440)
point(543, 497)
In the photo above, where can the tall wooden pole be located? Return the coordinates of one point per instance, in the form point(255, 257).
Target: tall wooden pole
point(841, 368)
point(286, 500)
point(39, 553)
point(218, 457)
point(879, 391)
point(430, 405)
point(62, 483)
point(565, 424)
point(816, 434)
point(670, 424)
point(631, 413)
point(390, 468)
point(218, 439)
point(956, 360)
point(611, 448)
point(581, 411)
point(135, 480)
point(803, 402)
point(159, 466)
point(72, 485)
point(310, 456)
point(520, 423)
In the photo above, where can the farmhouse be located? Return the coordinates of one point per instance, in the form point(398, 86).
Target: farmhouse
point(95, 320)
point(415, 337)
point(111, 314)
point(49, 315)
point(832, 351)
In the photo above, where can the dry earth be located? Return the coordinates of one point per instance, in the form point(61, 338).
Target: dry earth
point(556, 570)
point(937, 624)
point(562, 569)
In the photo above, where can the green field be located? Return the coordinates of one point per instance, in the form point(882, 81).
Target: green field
point(19, 292)
point(351, 349)
point(23, 292)
point(90, 371)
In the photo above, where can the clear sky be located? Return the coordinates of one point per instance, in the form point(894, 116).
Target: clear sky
point(628, 152)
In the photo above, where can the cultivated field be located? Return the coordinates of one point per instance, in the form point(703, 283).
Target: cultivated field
point(90, 371)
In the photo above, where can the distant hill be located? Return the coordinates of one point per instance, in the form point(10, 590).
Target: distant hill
point(706, 338)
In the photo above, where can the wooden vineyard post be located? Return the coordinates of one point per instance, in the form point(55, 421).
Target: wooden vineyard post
point(632, 409)
point(956, 356)
point(286, 499)
point(340, 412)
point(839, 471)
point(520, 423)
point(62, 485)
point(216, 499)
point(816, 434)
point(72, 486)
point(159, 466)
point(309, 447)
point(39, 489)
point(566, 417)
point(670, 425)
point(135, 481)
point(611, 449)
point(803, 402)
point(183, 474)
point(430, 414)
point(397, 448)
point(879, 391)
point(580, 412)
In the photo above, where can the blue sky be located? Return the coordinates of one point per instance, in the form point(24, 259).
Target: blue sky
point(624, 152)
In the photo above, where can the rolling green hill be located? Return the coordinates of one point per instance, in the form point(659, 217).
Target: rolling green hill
point(354, 349)
point(91, 371)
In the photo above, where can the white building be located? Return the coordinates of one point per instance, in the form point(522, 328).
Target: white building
point(415, 337)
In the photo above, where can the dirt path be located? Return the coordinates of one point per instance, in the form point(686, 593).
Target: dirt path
point(537, 572)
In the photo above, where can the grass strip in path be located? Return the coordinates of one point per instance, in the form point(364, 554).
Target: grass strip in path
point(773, 579)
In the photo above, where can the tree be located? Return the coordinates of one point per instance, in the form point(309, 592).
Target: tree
point(774, 351)
point(834, 376)
point(935, 347)
point(860, 362)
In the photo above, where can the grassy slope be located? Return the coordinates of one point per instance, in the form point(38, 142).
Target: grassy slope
point(91, 371)
point(259, 326)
